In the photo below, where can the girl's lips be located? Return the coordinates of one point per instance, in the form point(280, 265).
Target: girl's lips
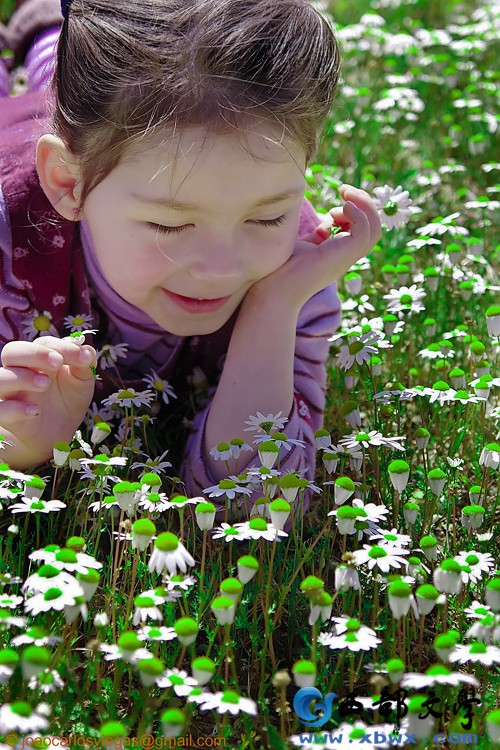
point(195, 305)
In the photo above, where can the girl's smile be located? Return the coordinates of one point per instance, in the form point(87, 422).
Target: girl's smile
point(198, 217)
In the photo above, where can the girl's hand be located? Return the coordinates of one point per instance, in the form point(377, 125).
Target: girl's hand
point(46, 387)
point(318, 260)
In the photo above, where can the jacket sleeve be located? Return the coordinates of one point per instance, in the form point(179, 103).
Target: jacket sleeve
point(318, 319)
point(13, 298)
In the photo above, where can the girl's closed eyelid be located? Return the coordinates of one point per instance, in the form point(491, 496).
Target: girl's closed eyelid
point(163, 229)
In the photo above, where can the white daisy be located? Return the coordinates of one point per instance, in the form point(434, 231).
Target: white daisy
point(128, 397)
point(477, 610)
point(39, 324)
point(53, 599)
point(393, 205)
point(405, 299)
point(229, 701)
point(359, 349)
point(160, 387)
point(227, 488)
point(113, 652)
point(169, 553)
point(440, 226)
point(258, 528)
point(436, 675)
point(109, 354)
point(478, 564)
point(384, 557)
point(179, 680)
point(228, 533)
point(37, 506)
point(266, 424)
point(48, 681)
point(77, 322)
point(352, 641)
point(476, 652)
point(22, 717)
point(373, 437)
point(156, 633)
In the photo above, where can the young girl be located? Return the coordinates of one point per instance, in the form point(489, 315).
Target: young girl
point(156, 192)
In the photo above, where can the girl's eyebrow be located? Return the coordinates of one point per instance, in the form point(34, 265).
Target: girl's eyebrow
point(181, 206)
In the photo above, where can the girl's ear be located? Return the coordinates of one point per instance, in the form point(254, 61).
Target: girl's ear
point(59, 175)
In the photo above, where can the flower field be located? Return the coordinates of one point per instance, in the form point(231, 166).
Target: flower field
point(372, 620)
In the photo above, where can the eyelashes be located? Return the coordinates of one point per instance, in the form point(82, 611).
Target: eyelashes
point(162, 229)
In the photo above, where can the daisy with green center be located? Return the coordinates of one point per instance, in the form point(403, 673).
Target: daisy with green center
point(179, 581)
point(169, 553)
point(47, 576)
point(467, 398)
point(474, 653)
point(392, 537)
point(154, 502)
point(393, 205)
point(22, 717)
point(359, 349)
point(129, 648)
point(160, 387)
point(476, 611)
point(475, 565)
point(227, 488)
point(54, 599)
point(374, 438)
point(258, 528)
point(179, 680)
point(437, 675)
point(145, 607)
point(156, 633)
point(228, 533)
point(128, 397)
point(267, 424)
point(486, 630)
point(64, 558)
point(405, 300)
point(440, 226)
point(8, 621)
point(384, 557)
point(36, 636)
point(228, 701)
point(37, 506)
point(353, 636)
point(9, 601)
point(280, 440)
point(110, 353)
point(48, 681)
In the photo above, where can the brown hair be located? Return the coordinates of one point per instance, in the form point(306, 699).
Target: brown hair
point(127, 69)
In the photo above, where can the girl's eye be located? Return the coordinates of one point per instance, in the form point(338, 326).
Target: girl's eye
point(271, 222)
point(162, 229)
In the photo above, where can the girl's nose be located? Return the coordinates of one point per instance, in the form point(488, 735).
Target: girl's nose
point(216, 260)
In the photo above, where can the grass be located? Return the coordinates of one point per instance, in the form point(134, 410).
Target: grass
point(417, 111)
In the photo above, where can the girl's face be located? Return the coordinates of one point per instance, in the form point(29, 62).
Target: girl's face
point(205, 216)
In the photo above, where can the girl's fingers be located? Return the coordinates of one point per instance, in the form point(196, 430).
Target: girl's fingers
point(22, 379)
point(13, 411)
point(47, 355)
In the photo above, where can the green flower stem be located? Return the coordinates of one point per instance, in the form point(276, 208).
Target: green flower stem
point(375, 602)
point(135, 563)
point(305, 558)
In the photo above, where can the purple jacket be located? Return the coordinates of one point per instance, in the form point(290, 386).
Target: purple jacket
point(48, 267)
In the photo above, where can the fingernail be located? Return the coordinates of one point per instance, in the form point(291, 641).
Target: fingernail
point(32, 410)
point(41, 381)
point(55, 359)
point(86, 356)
